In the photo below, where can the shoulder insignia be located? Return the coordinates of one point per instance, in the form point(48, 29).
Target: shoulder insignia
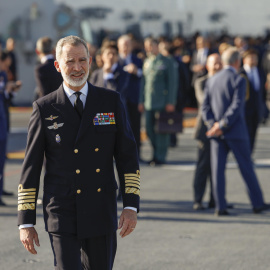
point(51, 118)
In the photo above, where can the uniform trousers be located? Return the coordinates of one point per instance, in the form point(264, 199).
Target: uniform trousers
point(241, 150)
point(252, 126)
point(160, 142)
point(71, 253)
point(135, 122)
point(3, 144)
point(203, 172)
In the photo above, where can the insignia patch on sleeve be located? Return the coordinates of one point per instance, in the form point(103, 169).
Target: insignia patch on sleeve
point(26, 198)
point(132, 183)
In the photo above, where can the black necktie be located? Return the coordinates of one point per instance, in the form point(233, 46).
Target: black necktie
point(78, 105)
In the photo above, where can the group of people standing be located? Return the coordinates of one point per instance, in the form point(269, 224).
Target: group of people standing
point(81, 127)
point(231, 107)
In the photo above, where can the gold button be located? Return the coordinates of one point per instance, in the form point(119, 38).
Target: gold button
point(79, 191)
point(97, 170)
point(96, 150)
point(78, 171)
point(76, 151)
point(99, 190)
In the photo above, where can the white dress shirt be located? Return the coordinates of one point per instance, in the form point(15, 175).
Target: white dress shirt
point(253, 76)
point(45, 58)
point(71, 94)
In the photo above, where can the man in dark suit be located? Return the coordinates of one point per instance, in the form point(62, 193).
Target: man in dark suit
point(223, 113)
point(111, 75)
point(7, 90)
point(255, 81)
point(133, 66)
point(80, 128)
point(10, 48)
point(47, 77)
point(203, 168)
point(3, 129)
point(197, 65)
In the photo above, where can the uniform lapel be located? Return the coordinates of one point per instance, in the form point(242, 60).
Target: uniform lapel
point(91, 108)
point(65, 108)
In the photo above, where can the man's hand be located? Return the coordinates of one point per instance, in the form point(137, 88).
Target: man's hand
point(127, 222)
point(141, 108)
point(170, 108)
point(198, 68)
point(27, 237)
point(215, 131)
point(107, 67)
point(131, 68)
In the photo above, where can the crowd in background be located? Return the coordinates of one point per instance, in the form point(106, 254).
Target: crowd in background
point(152, 76)
point(164, 73)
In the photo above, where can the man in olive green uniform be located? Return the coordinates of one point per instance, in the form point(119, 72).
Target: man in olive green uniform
point(158, 93)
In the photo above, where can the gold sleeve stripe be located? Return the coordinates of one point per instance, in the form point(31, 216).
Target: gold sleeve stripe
point(132, 178)
point(132, 181)
point(135, 186)
point(131, 175)
point(26, 201)
point(27, 193)
point(26, 206)
point(27, 190)
point(21, 189)
point(26, 197)
point(132, 191)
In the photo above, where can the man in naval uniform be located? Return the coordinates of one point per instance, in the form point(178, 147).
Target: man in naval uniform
point(80, 128)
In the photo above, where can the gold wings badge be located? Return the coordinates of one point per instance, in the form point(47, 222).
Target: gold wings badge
point(51, 118)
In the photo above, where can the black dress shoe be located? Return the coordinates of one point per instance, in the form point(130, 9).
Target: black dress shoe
point(6, 193)
point(221, 213)
point(230, 206)
point(211, 205)
point(261, 209)
point(2, 203)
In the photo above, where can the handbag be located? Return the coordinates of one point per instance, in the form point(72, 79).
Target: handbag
point(168, 123)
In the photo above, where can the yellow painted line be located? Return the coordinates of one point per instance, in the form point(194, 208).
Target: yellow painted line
point(20, 109)
point(16, 155)
point(190, 122)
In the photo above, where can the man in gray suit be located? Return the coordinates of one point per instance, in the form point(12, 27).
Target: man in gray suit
point(223, 113)
point(203, 167)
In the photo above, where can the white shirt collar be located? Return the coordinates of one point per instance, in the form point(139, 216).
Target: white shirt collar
point(46, 57)
point(248, 68)
point(109, 76)
point(70, 92)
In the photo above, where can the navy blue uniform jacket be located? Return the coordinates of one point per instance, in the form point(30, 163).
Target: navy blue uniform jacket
point(79, 183)
point(224, 103)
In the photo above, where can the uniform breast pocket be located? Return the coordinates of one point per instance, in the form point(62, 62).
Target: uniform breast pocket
point(106, 128)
